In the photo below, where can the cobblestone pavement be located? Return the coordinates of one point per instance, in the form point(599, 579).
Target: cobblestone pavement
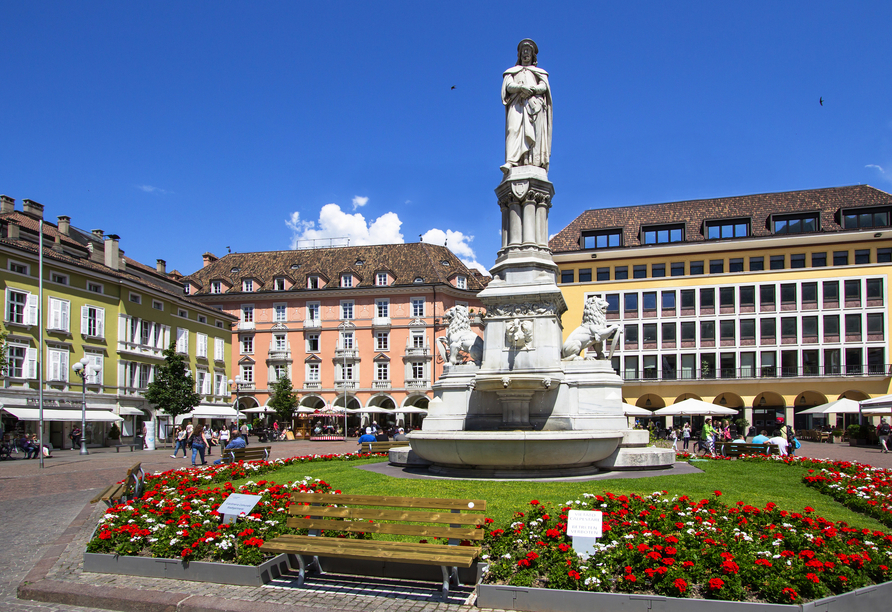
point(47, 522)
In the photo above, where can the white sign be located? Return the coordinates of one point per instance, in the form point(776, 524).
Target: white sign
point(236, 504)
point(584, 523)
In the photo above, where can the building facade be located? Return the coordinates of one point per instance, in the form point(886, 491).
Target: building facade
point(344, 324)
point(770, 303)
point(102, 305)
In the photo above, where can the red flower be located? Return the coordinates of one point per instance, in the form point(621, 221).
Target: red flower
point(681, 585)
point(813, 577)
point(717, 493)
point(532, 556)
point(523, 563)
point(843, 579)
point(535, 502)
point(630, 578)
point(564, 547)
point(793, 595)
point(716, 583)
point(574, 575)
point(729, 567)
point(186, 552)
point(809, 509)
point(764, 562)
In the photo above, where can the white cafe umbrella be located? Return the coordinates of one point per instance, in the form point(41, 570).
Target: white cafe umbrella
point(630, 410)
point(411, 410)
point(259, 410)
point(370, 409)
point(694, 407)
point(840, 406)
point(884, 401)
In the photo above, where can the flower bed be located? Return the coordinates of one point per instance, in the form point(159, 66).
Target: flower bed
point(861, 488)
point(680, 547)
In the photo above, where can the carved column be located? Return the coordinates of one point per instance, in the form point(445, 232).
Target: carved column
point(542, 223)
point(505, 225)
point(529, 221)
point(515, 228)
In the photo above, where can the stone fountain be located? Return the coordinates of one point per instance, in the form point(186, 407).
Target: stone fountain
point(525, 403)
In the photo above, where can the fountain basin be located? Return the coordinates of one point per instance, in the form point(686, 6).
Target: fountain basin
point(514, 454)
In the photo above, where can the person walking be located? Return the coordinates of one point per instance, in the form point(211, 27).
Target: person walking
point(686, 435)
point(883, 431)
point(707, 436)
point(673, 437)
point(180, 442)
point(199, 443)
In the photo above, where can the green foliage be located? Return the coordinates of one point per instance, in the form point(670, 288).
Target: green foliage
point(283, 399)
point(742, 425)
point(172, 391)
point(3, 347)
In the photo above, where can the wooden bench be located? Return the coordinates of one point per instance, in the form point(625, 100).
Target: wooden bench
point(731, 449)
point(382, 515)
point(382, 447)
point(256, 453)
point(129, 488)
point(133, 447)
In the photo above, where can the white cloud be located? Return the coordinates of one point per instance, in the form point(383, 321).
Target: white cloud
point(458, 243)
point(335, 223)
point(884, 174)
point(359, 201)
point(151, 189)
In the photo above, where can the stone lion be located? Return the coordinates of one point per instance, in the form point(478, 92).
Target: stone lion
point(593, 332)
point(459, 338)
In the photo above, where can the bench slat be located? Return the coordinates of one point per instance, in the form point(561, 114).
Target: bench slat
point(428, 503)
point(422, 531)
point(385, 550)
point(376, 544)
point(380, 514)
point(104, 494)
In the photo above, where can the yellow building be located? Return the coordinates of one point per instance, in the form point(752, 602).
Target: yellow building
point(771, 303)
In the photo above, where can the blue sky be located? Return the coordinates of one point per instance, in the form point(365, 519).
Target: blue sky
point(188, 127)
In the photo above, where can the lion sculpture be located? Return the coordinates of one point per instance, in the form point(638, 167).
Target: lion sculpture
point(459, 338)
point(593, 332)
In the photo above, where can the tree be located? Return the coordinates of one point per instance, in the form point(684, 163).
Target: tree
point(3, 351)
point(173, 390)
point(284, 400)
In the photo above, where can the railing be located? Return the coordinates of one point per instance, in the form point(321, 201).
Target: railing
point(312, 323)
point(246, 324)
point(380, 384)
point(312, 385)
point(276, 355)
point(350, 353)
point(883, 370)
point(346, 384)
point(381, 322)
point(418, 384)
point(418, 351)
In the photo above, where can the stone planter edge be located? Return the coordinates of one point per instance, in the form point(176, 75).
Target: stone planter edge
point(504, 597)
point(198, 571)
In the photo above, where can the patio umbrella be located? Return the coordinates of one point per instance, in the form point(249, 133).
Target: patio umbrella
point(411, 410)
point(305, 410)
point(884, 401)
point(694, 407)
point(370, 409)
point(840, 406)
point(630, 410)
point(259, 410)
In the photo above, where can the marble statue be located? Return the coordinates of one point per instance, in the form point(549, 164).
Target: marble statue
point(459, 338)
point(593, 332)
point(527, 99)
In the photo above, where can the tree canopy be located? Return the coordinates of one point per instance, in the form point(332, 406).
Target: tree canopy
point(173, 390)
point(283, 399)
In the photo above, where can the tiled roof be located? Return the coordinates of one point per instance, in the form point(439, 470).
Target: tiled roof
point(405, 262)
point(694, 213)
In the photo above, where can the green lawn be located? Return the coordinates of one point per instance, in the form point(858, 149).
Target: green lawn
point(754, 483)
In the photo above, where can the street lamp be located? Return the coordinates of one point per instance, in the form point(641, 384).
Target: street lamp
point(238, 383)
point(83, 368)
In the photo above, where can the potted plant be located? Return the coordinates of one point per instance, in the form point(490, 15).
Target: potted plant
point(857, 435)
point(835, 434)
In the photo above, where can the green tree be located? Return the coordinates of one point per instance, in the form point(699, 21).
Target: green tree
point(173, 390)
point(284, 400)
point(3, 350)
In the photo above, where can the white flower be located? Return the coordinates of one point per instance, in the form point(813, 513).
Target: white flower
point(173, 541)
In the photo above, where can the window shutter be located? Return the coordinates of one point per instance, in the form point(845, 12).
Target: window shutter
point(182, 340)
point(219, 347)
point(100, 322)
point(31, 313)
point(55, 321)
point(207, 384)
point(64, 315)
point(84, 312)
point(30, 367)
point(96, 360)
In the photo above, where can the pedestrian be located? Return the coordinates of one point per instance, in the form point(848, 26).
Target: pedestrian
point(686, 435)
point(707, 436)
point(199, 443)
point(75, 437)
point(673, 437)
point(883, 431)
point(244, 431)
point(145, 432)
point(180, 435)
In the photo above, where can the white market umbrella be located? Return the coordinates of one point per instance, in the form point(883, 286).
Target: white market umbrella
point(259, 410)
point(633, 411)
point(884, 401)
point(840, 406)
point(694, 407)
point(411, 410)
point(370, 409)
point(305, 410)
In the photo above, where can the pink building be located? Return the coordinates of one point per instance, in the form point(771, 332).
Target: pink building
point(360, 321)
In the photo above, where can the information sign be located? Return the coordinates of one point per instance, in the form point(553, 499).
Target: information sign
point(584, 523)
point(236, 504)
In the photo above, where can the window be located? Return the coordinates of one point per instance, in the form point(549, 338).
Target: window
point(668, 332)
point(853, 291)
point(876, 361)
point(726, 297)
point(884, 255)
point(21, 361)
point(61, 279)
point(797, 260)
point(630, 368)
point(187, 289)
point(280, 313)
point(862, 219)
point(649, 333)
point(657, 270)
point(769, 363)
point(748, 329)
point(862, 256)
point(218, 323)
point(585, 275)
point(757, 264)
point(766, 296)
point(382, 341)
point(809, 327)
point(157, 305)
point(568, 276)
point(347, 340)
point(676, 268)
point(649, 300)
point(788, 294)
point(312, 372)
point(602, 239)
point(18, 268)
point(795, 224)
point(631, 303)
point(57, 365)
point(247, 371)
point(418, 307)
point(60, 311)
point(717, 266)
point(183, 313)
point(735, 264)
point(219, 349)
point(603, 274)
point(622, 272)
point(840, 258)
point(663, 234)
point(831, 328)
point(748, 296)
point(875, 289)
point(727, 228)
point(202, 319)
point(668, 300)
point(688, 331)
point(875, 324)
point(346, 280)
point(201, 345)
point(347, 310)
point(313, 282)
point(219, 384)
point(831, 292)
point(136, 298)
point(202, 382)
point(418, 370)
point(777, 262)
point(853, 327)
point(381, 279)
point(382, 309)
point(688, 298)
point(248, 285)
point(182, 340)
point(280, 342)
point(630, 334)
point(216, 287)
point(696, 268)
point(819, 260)
point(346, 371)
point(312, 343)
point(247, 313)
point(853, 361)
point(279, 284)
point(382, 370)
point(279, 371)
point(768, 329)
point(94, 288)
point(707, 331)
point(461, 282)
point(788, 327)
point(639, 272)
point(809, 293)
point(707, 298)
point(93, 321)
point(418, 280)
point(726, 330)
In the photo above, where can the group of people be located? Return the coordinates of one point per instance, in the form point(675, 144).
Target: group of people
point(31, 446)
point(716, 431)
point(374, 433)
point(201, 440)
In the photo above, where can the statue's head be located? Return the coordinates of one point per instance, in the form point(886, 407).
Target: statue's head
point(527, 52)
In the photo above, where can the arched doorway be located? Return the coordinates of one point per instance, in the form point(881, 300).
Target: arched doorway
point(413, 418)
point(804, 401)
point(767, 406)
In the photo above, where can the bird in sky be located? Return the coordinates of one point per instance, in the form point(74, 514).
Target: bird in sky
point(821, 101)
point(453, 87)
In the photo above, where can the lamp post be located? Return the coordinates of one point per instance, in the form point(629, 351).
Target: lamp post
point(344, 328)
point(237, 383)
point(83, 369)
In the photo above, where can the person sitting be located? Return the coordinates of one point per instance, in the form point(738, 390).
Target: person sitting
point(381, 436)
point(367, 437)
point(738, 440)
point(24, 444)
point(400, 435)
point(237, 442)
point(777, 438)
point(762, 438)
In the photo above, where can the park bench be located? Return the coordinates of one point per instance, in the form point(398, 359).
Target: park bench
point(134, 446)
point(129, 488)
point(382, 447)
point(256, 453)
point(730, 449)
point(382, 515)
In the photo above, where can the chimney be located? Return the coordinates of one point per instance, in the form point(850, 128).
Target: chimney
point(57, 244)
point(208, 259)
point(7, 204)
point(112, 252)
point(161, 266)
point(12, 229)
point(30, 207)
point(97, 234)
point(64, 225)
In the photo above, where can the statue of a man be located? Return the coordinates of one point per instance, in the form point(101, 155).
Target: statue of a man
point(527, 99)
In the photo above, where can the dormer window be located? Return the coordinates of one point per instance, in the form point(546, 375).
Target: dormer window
point(359, 262)
point(280, 284)
point(216, 287)
point(461, 282)
point(602, 239)
point(661, 234)
point(381, 279)
point(234, 270)
point(295, 266)
point(863, 218)
point(795, 224)
point(186, 289)
point(727, 228)
point(346, 280)
point(444, 263)
point(313, 282)
point(248, 285)
point(418, 279)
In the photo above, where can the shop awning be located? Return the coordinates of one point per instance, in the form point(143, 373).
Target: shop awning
point(209, 412)
point(59, 414)
point(128, 411)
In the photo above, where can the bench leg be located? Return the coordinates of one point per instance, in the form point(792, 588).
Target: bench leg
point(450, 574)
point(303, 566)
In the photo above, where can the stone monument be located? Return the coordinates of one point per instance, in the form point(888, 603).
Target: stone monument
point(525, 403)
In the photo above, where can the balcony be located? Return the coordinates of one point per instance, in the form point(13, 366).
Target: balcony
point(246, 324)
point(346, 384)
point(381, 322)
point(418, 351)
point(279, 355)
point(348, 353)
point(748, 373)
point(312, 323)
point(380, 384)
point(418, 384)
point(312, 384)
